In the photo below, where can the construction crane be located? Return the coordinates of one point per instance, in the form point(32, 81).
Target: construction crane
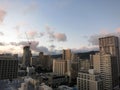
point(29, 43)
point(29, 50)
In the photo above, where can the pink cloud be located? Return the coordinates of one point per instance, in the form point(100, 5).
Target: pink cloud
point(60, 36)
point(53, 36)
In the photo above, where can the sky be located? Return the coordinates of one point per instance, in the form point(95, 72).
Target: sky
point(53, 25)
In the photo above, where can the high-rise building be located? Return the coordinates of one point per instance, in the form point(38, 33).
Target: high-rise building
point(89, 81)
point(96, 62)
point(84, 65)
point(110, 45)
point(60, 67)
point(109, 62)
point(109, 72)
point(8, 67)
point(66, 54)
point(27, 56)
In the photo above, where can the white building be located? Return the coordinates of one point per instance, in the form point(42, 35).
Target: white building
point(89, 81)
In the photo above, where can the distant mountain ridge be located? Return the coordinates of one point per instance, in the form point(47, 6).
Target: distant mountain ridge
point(81, 55)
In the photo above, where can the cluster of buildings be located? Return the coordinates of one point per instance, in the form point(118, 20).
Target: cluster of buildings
point(101, 71)
point(104, 68)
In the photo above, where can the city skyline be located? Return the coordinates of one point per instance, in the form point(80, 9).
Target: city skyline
point(56, 25)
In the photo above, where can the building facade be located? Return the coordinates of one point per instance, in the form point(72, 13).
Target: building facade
point(88, 81)
point(60, 67)
point(109, 72)
point(26, 56)
point(109, 62)
point(8, 67)
point(96, 62)
point(67, 55)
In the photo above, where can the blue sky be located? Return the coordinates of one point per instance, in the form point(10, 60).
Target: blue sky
point(56, 24)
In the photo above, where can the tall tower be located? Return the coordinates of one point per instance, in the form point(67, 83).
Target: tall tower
point(26, 55)
point(110, 45)
point(66, 54)
point(109, 62)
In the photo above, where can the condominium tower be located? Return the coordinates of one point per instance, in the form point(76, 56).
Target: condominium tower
point(109, 62)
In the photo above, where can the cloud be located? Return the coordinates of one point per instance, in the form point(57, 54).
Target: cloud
point(52, 48)
point(23, 43)
point(13, 43)
point(2, 15)
point(50, 32)
point(32, 34)
point(60, 36)
point(48, 28)
point(1, 34)
point(34, 46)
point(55, 36)
point(85, 49)
point(43, 49)
point(2, 44)
point(93, 40)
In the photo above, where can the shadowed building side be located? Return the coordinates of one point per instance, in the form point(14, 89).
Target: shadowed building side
point(26, 56)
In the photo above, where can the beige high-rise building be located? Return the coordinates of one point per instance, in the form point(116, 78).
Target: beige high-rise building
point(109, 72)
point(84, 65)
point(96, 62)
point(89, 81)
point(109, 62)
point(67, 55)
point(60, 67)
